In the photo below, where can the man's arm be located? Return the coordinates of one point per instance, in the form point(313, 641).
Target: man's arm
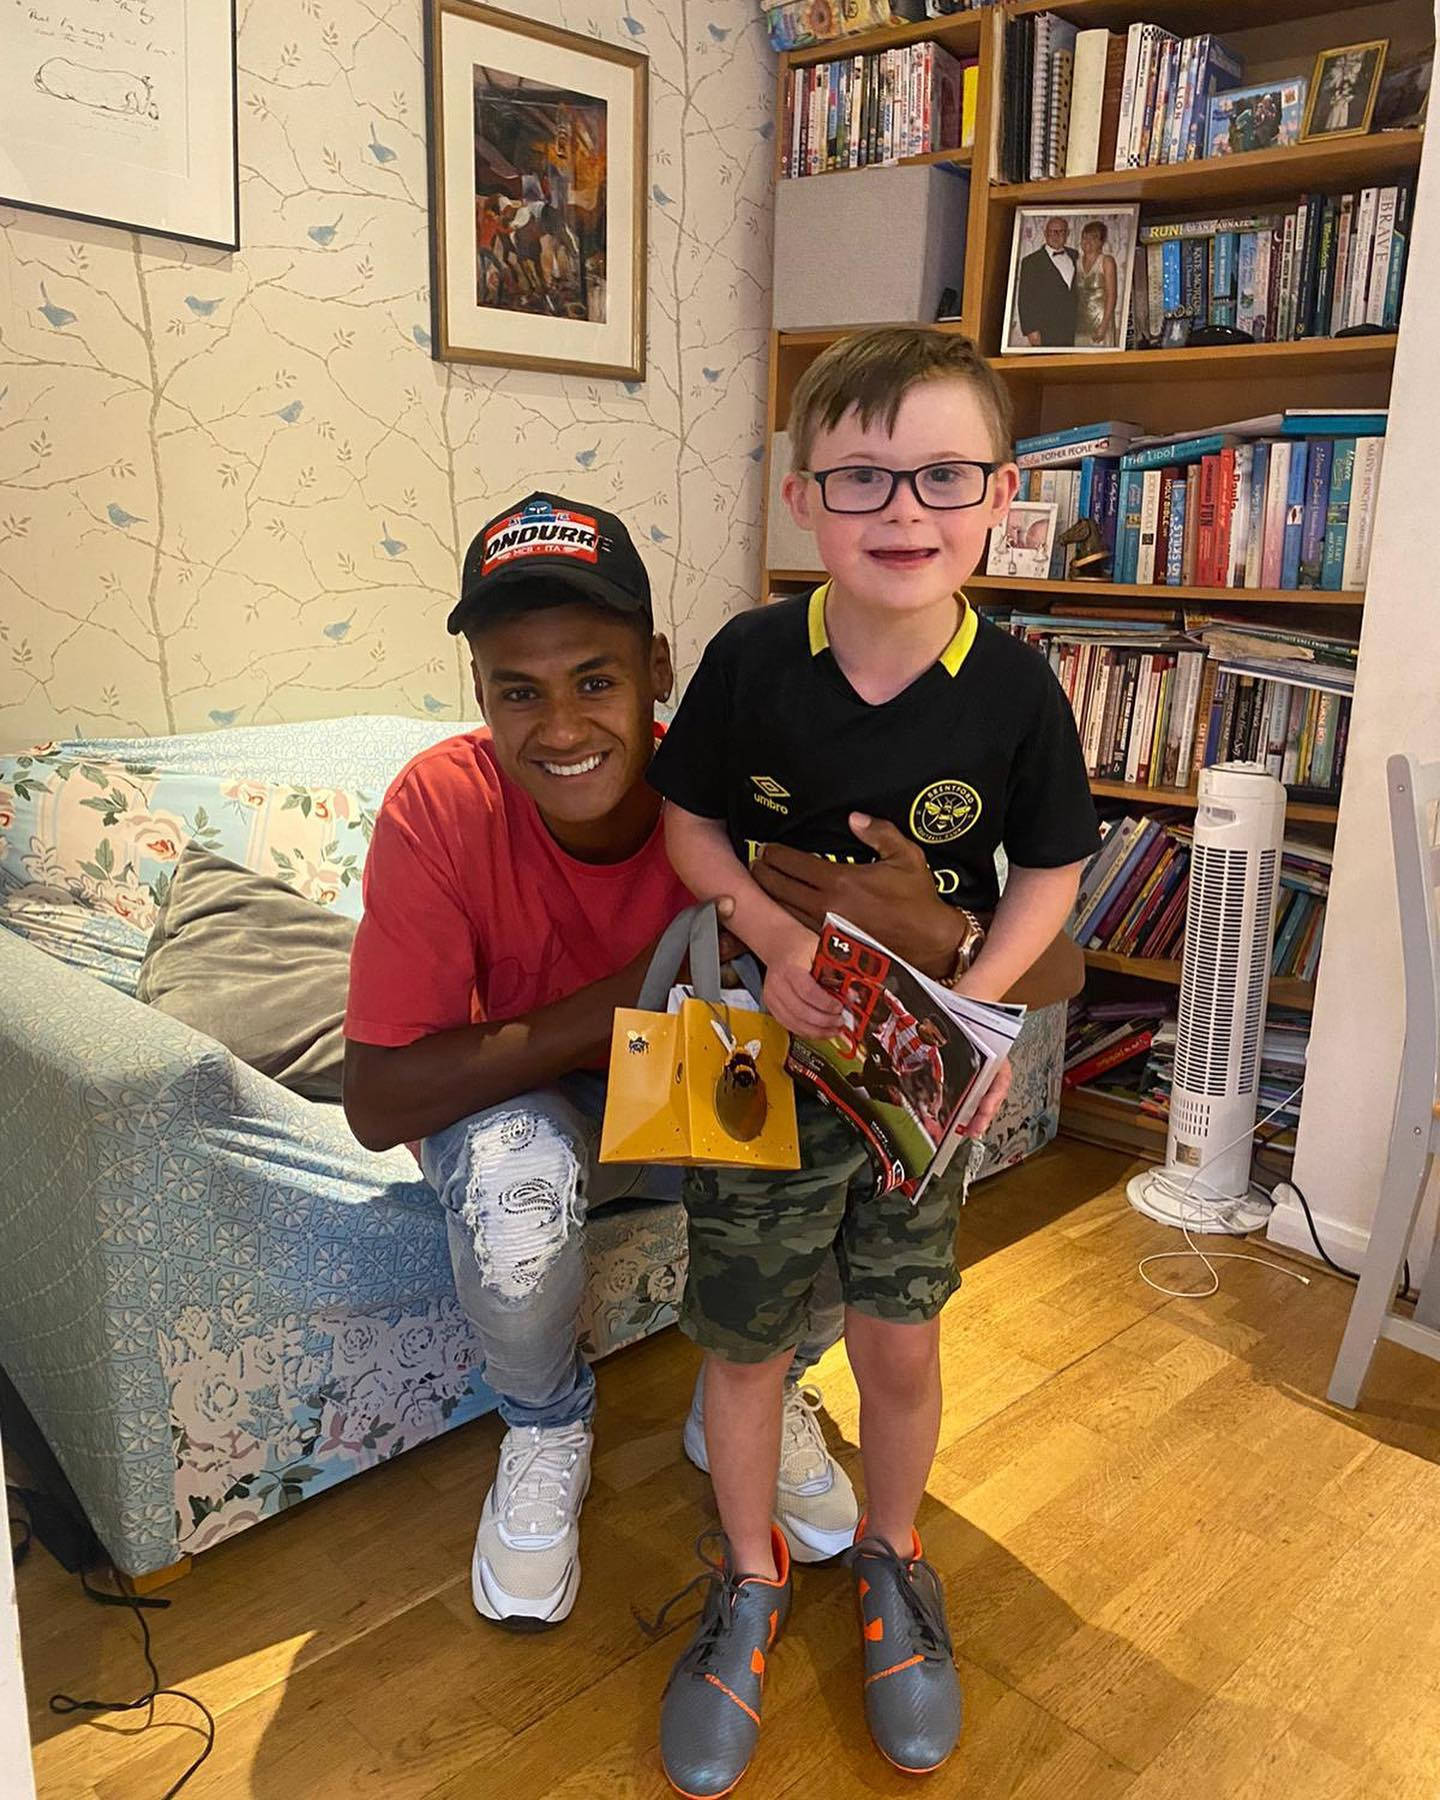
point(1032, 911)
point(397, 1094)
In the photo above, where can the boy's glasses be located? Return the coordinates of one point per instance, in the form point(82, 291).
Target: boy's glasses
point(941, 486)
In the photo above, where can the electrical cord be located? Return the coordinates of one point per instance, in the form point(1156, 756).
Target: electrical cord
point(1182, 1196)
point(67, 1703)
point(1406, 1291)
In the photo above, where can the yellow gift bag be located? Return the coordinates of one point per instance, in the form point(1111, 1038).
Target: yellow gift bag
point(706, 1084)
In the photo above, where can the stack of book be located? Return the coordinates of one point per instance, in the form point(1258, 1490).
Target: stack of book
point(1079, 101)
point(1123, 1049)
point(1272, 502)
point(1132, 894)
point(857, 111)
point(1282, 1070)
point(1279, 697)
point(1313, 269)
point(1300, 912)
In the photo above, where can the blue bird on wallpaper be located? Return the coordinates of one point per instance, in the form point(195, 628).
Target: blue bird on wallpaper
point(633, 26)
point(432, 705)
point(202, 309)
point(391, 546)
point(712, 374)
point(758, 453)
point(324, 235)
point(57, 315)
point(586, 458)
point(340, 629)
point(658, 536)
point(119, 516)
point(225, 718)
point(291, 412)
point(718, 32)
point(631, 387)
point(767, 130)
point(381, 152)
point(660, 197)
point(421, 336)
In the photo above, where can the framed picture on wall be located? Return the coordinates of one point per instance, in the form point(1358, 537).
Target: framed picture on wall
point(1070, 271)
point(1021, 547)
point(123, 114)
point(537, 142)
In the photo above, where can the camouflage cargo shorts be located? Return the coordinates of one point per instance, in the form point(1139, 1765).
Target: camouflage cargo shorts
point(758, 1239)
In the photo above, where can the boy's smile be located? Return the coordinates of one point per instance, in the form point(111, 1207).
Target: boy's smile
point(907, 557)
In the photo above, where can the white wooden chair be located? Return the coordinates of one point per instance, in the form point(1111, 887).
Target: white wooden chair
point(1415, 1130)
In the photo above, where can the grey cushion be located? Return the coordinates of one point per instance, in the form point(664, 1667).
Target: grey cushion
point(256, 966)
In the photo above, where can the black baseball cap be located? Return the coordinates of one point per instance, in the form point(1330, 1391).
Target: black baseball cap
point(544, 541)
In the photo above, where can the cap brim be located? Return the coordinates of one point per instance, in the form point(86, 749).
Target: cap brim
point(490, 598)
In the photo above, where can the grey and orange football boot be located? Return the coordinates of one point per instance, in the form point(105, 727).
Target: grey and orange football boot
point(710, 1716)
point(912, 1692)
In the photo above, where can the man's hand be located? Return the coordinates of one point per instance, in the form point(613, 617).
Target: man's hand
point(991, 1102)
point(893, 899)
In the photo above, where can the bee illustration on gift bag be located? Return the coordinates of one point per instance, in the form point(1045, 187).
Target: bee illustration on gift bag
point(740, 1102)
point(636, 1043)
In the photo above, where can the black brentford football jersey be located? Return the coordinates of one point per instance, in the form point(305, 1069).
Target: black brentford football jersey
point(979, 751)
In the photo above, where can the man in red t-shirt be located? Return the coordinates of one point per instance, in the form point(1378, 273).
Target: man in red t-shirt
point(514, 890)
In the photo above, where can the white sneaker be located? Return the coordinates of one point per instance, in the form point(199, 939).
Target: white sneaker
point(815, 1505)
point(525, 1572)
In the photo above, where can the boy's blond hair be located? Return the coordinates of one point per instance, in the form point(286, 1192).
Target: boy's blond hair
point(874, 370)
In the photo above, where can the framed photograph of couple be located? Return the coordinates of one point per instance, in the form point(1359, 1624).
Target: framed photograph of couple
point(1070, 274)
point(537, 141)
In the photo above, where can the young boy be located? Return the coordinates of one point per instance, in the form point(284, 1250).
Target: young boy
point(883, 696)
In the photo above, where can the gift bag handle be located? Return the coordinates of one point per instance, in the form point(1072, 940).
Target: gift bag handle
point(696, 929)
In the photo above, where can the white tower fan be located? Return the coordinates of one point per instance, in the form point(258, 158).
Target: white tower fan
point(1224, 979)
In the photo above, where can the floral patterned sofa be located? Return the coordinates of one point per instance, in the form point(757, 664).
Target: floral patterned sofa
point(213, 1301)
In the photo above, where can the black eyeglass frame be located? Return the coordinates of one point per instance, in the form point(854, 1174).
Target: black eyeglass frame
point(821, 476)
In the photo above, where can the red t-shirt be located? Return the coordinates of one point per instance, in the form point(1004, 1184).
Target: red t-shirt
point(473, 911)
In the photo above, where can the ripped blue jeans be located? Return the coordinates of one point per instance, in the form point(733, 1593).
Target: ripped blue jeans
point(517, 1182)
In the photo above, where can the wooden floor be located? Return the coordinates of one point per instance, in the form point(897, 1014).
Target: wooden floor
point(1174, 1572)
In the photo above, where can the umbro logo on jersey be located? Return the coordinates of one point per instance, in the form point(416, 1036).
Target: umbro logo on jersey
point(770, 793)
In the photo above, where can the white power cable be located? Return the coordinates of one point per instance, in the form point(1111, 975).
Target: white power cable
point(1181, 1197)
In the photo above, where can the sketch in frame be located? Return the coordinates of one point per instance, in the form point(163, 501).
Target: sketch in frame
point(1343, 90)
point(1070, 274)
point(1021, 547)
point(537, 174)
point(123, 115)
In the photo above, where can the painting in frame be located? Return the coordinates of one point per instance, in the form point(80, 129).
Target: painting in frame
point(537, 141)
point(125, 116)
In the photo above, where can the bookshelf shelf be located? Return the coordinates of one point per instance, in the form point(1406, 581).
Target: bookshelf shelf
point(1257, 175)
point(1239, 362)
point(959, 159)
point(1180, 16)
point(959, 33)
point(817, 337)
point(1123, 593)
point(1285, 990)
point(1313, 811)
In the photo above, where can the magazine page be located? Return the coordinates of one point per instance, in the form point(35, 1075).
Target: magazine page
point(911, 1062)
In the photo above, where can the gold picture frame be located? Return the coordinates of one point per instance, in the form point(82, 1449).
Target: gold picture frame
point(537, 141)
point(1343, 89)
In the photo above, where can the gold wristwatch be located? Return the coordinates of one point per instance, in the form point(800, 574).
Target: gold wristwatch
point(971, 938)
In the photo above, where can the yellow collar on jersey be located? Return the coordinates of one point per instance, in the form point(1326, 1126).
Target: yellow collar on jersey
point(950, 657)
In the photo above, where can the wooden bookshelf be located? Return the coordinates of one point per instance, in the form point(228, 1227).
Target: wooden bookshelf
point(1258, 175)
point(1165, 390)
point(1316, 812)
point(1285, 990)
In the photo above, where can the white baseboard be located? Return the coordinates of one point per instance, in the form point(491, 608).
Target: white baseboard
point(1346, 1243)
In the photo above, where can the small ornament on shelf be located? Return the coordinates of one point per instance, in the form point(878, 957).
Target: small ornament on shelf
point(1091, 559)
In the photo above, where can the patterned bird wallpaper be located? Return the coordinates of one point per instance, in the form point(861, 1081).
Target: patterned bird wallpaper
point(237, 489)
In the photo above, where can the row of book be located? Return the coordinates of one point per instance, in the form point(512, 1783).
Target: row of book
point(1134, 890)
point(1156, 703)
point(1132, 895)
point(1079, 101)
point(857, 111)
point(1272, 502)
point(1321, 266)
point(796, 24)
